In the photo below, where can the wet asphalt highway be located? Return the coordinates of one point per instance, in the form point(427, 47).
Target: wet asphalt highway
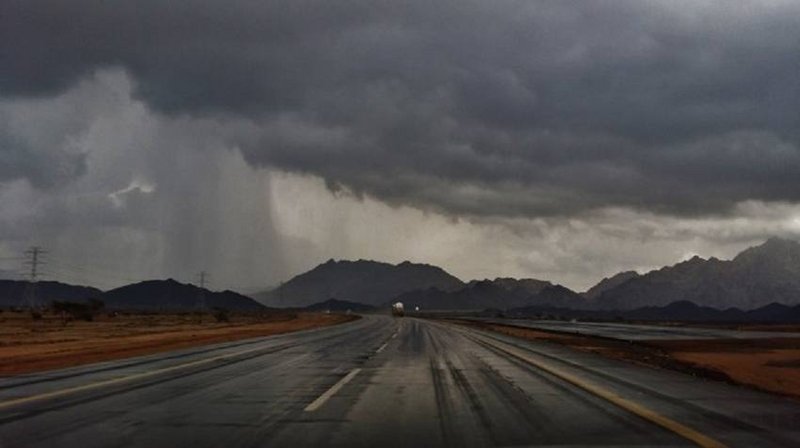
point(381, 381)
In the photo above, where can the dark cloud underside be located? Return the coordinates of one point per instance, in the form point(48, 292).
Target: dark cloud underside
point(529, 108)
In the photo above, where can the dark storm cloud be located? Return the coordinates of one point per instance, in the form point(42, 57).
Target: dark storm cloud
point(482, 108)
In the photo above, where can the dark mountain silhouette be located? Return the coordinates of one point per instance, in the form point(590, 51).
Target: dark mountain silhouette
point(681, 311)
point(774, 312)
point(170, 295)
point(558, 295)
point(526, 286)
point(756, 277)
point(498, 294)
point(339, 305)
point(609, 283)
point(477, 295)
point(685, 311)
point(363, 281)
point(12, 292)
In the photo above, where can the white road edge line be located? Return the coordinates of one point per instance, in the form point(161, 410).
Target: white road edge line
point(380, 349)
point(331, 392)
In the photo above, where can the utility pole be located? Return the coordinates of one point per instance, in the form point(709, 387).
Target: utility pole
point(34, 255)
point(201, 299)
point(203, 276)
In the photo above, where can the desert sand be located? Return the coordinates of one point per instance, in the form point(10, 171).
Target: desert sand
point(28, 345)
point(771, 365)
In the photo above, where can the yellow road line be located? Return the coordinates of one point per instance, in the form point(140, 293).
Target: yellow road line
point(648, 414)
point(137, 376)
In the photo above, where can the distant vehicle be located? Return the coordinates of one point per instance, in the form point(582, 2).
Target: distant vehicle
point(398, 310)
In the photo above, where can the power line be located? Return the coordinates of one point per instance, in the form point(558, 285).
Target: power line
point(81, 279)
point(90, 272)
point(201, 294)
point(105, 277)
point(203, 275)
point(32, 272)
point(34, 255)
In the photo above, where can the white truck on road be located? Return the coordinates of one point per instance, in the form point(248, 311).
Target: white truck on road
point(397, 309)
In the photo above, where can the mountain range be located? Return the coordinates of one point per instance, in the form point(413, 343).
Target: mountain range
point(151, 295)
point(498, 293)
point(368, 282)
point(170, 295)
point(756, 277)
point(609, 283)
point(13, 292)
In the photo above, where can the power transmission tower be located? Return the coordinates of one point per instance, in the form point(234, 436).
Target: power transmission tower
point(201, 298)
point(34, 255)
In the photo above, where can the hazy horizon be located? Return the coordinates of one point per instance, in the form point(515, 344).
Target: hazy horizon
point(264, 288)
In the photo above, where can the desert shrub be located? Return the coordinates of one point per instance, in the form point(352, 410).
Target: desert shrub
point(96, 304)
point(221, 315)
point(81, 311)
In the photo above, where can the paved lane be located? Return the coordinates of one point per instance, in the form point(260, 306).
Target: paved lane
point(639, 332)
point(432, 386)
point(383, 382)
point(231, 401)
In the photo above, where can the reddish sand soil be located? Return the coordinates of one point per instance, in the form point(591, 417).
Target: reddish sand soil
point(30, 346)
point(771, 365)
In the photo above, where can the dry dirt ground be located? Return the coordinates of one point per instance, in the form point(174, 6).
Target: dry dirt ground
point(772, 365)
point(28, 345)
point(768, 364)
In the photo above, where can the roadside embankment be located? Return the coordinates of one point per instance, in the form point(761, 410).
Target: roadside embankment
point(28, 345)
point(771, 364)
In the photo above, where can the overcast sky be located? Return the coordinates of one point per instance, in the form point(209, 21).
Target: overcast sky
point(550, 139)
